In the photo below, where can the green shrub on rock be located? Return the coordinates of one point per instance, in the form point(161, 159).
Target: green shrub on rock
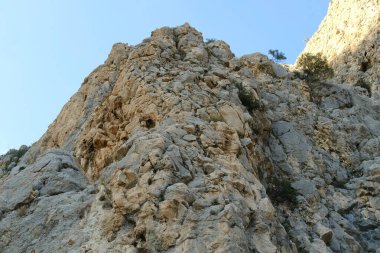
point(248, 99)
point(210, 40)
point(277, 56)
point(315, 66)
point(281, 191)
point(12, 157)
point(364, 85)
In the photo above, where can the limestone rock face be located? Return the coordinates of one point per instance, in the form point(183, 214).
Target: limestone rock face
point(349, 37)
point(154, 153)
point(42, 205)
point(175, 145)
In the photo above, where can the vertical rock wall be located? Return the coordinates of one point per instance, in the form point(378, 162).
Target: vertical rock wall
point(349, 37)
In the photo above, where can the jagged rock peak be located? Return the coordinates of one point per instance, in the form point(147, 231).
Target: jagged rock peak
point(109, 97)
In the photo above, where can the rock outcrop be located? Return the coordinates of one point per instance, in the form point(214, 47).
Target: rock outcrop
point(349, 37)
point(176, 145)
point(170, 159)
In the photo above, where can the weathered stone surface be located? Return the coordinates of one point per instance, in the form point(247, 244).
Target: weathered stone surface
point(157, 153)
point(9, 160)
point(42, 206)
point(324, 232)
point(279, 70)
point(349, 36)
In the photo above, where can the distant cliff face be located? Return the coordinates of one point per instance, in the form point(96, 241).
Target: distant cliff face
point(176, 145)
point(349, 36)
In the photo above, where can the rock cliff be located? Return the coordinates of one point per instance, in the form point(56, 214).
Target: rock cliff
point(349, 37)
point(176, 145)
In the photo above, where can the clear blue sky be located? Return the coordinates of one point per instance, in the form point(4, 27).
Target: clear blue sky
point(48, 47)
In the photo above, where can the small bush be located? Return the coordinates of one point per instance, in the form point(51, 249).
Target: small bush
point(281, 191)
point(277, 56)
point(182, 53)
point(248, 100)
point(215, 118)
point(255, 126)
point(315, 66)
point(364, 85)
point(209, 40)
point(12, 157)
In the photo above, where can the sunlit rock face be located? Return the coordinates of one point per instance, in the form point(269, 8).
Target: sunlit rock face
point(349, 36)
point(176, 145)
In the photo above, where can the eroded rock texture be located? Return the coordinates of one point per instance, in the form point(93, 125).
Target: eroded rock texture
point(175, 145)
point(349, 36)
point(168, 154)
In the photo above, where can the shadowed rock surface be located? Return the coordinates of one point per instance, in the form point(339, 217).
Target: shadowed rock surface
point(175, 145)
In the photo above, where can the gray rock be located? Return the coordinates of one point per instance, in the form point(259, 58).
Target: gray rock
point(279, 70)
point(294, 142)
point(190, 137)
point(306, 188)
point(324, 232)
point(48, 199)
